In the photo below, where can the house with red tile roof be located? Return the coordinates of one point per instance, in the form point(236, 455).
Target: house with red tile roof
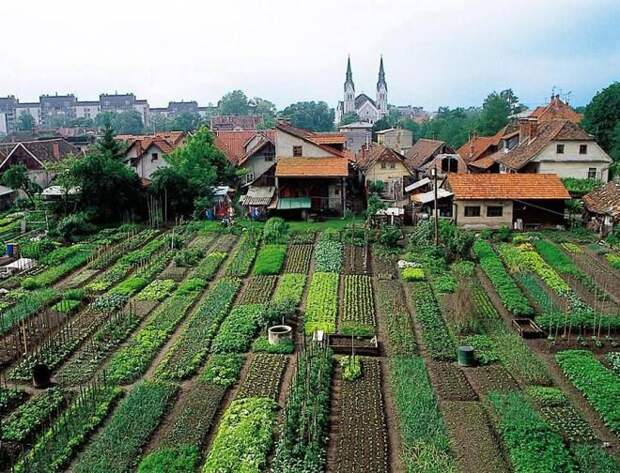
point(36, 155)
point(377, 162)
point(312, 171)
point(424, 151)
point(521, 201)
point(145, 153)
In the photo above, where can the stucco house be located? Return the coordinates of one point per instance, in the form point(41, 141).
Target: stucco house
point(520, 201)
point(145, 154)
point(380, 163)
point(312, 171)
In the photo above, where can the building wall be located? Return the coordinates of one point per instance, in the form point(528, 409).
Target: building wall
point(399, 139)
point(389, 175)
point(4, 124)
point(146, 165)
point(256, 165)
point(483, 221)
point(34, 110)
point(87, 111)
point(285, 143)
point(368, 113)
point(571, 163)
point(356, 138)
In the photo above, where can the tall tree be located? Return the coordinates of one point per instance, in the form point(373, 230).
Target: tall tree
point(16, 178)
point(602, 115)
point(195, 168)
point(107, 144)
point(234, 103)
point(186, 121)
point(496, 109)
point(126, 122)
point(314, 116)
point(25, 122)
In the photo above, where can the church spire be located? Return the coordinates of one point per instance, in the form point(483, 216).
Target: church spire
point(381, 81)
point(349, 78)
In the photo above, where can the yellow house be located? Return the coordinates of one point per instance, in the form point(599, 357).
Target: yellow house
point(380, 163)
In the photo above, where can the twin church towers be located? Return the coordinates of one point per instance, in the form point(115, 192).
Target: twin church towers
point(367, 109)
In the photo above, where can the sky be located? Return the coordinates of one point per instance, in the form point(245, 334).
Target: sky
point(436, 52)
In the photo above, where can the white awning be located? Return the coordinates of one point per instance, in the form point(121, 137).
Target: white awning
point(56, 191)
point(426, 197)
point(417, 184)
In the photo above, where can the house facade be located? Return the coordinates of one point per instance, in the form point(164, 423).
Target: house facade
point(423, 152)
point(398, 139)
point(145, 154)
point(520, 201)
point(379, 163)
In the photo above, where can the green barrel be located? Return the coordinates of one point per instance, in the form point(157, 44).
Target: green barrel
point(465, 355)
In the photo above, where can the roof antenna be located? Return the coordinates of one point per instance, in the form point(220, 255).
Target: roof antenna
point(567, 97)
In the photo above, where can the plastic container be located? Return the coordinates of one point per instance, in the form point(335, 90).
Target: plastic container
point(465, 355)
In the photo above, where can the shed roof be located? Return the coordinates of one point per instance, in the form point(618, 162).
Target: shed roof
point(312, 167)
point(604, 200)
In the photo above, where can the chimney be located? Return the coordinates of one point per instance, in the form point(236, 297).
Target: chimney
point(55, 150)
point(527, 129)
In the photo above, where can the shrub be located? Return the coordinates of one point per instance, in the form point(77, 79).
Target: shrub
point(270, 259)
point(275, 230)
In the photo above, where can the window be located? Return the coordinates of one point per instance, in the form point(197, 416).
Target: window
point(154, 156)
point(495, 211)
point(297, 151)
point(591, 173)
point(471, 211)
point(583, 149)
point(449, 164)
point(392, 165)
point(383, 165)
point(249, 177)
point(559, 149)
point(269, 156)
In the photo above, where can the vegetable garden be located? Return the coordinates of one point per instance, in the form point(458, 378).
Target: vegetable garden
point(157, 345)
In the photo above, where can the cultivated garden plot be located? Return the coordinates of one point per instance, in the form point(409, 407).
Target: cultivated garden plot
point(162, 362)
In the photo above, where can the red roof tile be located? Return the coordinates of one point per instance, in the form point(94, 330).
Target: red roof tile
point(232, 143)
point(604, 200)
point(506, 186)
point(312, 167)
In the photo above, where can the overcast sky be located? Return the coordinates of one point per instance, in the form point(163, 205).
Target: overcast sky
point(436, 52)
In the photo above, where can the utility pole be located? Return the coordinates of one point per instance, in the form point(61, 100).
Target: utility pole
point(435, 206)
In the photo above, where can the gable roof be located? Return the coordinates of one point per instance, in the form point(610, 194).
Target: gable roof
point(506, 186)
point(554, 110)
point(546, 132)
point(329, 138)
point(422, 151)
point(309, 137)
point(232, 143)
point(477, 146)
point(312, 167)
point(41, 150)
point(361, 99)
point(604, 200)
point(263, 138)
point(368, 155)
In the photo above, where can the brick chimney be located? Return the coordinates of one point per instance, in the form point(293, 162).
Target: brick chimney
point(528, 128)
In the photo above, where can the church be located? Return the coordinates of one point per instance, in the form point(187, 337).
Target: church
point(367, 109)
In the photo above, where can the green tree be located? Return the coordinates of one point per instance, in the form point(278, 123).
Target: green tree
point(160, 122)
point(127, 122)
point(267, 110)
point(412, 126)
point(107, 144)
point(234, 103)
point(25, 122)
point(495, 112)
point(16, 178)
point(186, 121)
point(108, 188)
point(348, 118)
point(195, 168)
point(602, 115)
point(314, 116)
point(82, 122)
